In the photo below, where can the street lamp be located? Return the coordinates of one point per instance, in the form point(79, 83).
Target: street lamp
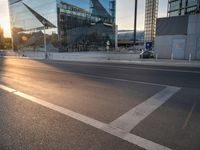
point(45, 38)
point(12, 21)
point(135, 22)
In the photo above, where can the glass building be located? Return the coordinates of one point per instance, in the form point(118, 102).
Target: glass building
point(67, 25)
point(151, 14)
point(183, 7)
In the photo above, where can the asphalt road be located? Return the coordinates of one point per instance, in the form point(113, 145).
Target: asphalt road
point(98, 106)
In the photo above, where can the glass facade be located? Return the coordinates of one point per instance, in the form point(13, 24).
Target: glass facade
point(183, 7)
point(69, 25)
point(151, 14)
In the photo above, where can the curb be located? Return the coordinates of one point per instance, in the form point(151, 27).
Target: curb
point(138, 62)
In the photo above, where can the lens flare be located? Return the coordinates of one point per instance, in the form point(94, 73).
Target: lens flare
point(5, 24)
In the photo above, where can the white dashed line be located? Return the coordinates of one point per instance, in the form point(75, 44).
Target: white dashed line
point(189, 116)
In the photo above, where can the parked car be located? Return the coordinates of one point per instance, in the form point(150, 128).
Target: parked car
point(147, 54)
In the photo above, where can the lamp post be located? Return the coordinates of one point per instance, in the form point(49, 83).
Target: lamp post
point(135, 22)
point(12, 21)
point(45, 42)
point(45, 39)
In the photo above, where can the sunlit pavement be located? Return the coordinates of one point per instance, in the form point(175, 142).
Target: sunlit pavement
point(77, 105)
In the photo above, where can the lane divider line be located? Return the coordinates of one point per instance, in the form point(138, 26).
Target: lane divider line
point(189, 116)
point(5, 88)
point(99, 77)
point(62, 110)
point(124, 135)
point(131, 67)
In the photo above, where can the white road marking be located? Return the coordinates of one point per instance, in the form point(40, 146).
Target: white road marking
point(5, 88)
point(102, 64)
point(131, 67)
point(121, 80)
point(62, 110)
point(99, 77)
point(136, 140)
point(132, 118)
point(144, 143)
point(189, 116)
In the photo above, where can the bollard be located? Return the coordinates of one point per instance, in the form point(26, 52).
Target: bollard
point(156, 56)
point(172, 56)
point(190, 57)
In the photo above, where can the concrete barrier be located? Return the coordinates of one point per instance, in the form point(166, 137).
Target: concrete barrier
point(34, 55)
point(86, 56)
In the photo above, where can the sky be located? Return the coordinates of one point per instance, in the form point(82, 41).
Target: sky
point(4, 17)
point(125, 14)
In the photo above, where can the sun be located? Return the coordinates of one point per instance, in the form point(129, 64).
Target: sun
point(5, 24)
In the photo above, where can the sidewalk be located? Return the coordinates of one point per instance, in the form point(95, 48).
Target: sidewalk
point(99, 57)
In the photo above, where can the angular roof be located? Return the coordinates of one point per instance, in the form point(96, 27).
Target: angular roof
point(43, 20)
point(99, 10)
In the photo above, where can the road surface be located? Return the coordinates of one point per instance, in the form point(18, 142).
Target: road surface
point(98, 106)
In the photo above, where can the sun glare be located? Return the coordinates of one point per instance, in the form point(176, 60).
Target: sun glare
point(4, 23)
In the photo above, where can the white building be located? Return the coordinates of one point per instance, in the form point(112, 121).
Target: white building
point(178, 37)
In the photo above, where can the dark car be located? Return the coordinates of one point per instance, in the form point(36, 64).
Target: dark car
point(147, 54)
